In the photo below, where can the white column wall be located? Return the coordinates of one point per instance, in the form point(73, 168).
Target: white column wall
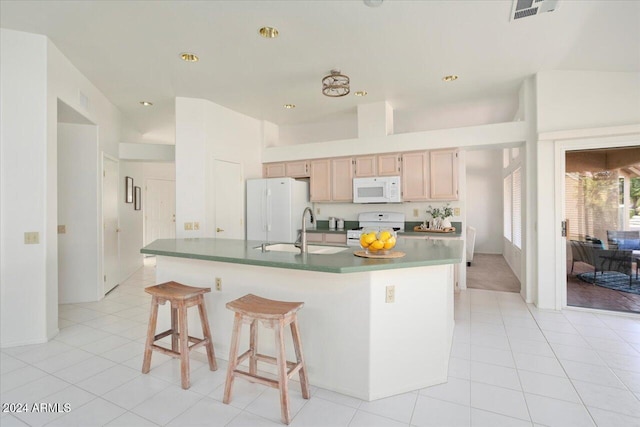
point(23, 177)
point(207, 131)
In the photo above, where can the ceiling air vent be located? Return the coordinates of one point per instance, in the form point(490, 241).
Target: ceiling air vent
point(526, 8)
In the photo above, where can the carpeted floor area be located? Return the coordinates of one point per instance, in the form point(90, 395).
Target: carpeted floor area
point(491, 272)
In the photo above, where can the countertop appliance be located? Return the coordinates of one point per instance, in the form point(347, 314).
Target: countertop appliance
point(274, 208)
point(379, 189)
point(377, 220)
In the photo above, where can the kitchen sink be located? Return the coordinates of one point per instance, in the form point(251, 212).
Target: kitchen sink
point(312, 249)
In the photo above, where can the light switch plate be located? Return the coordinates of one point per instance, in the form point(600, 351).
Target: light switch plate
point(62, 229)
point(456, 211)
point(188, 226)
point(31, 238)
point(196, 225)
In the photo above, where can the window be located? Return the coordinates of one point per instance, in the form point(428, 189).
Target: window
point(513, 208)
point(507, 207)
point(516, 208)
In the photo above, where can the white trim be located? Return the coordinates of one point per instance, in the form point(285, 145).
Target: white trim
point(101, 225)
point(590, 133)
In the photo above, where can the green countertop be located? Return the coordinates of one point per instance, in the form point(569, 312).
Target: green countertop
point(419, 253)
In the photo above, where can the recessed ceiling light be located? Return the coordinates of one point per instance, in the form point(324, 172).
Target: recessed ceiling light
point(360, 93)
point(289, 106)
point(268, 32)
point(146, 103)
point(450, 78)
point(189, 57)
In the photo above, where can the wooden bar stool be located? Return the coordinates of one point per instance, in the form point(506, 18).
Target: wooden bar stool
point(180, 297)
point(273, 314)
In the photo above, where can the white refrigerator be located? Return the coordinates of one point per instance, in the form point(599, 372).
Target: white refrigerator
point(274, 208)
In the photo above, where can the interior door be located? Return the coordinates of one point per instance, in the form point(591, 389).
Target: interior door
point(228, 194)
point(110, 236)
point(159, 210)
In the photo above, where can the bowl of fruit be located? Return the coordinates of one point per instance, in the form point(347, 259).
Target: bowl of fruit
point(377, 242)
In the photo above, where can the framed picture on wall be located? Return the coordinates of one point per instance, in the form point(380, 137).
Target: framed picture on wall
point(138, 199)
point(128, 189)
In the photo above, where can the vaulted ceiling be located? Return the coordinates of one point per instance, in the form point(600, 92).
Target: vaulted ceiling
point(397, 52)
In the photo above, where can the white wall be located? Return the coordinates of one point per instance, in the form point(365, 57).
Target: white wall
point(78, 273)
point(586, 99)
point(34, 76)
point(484, 199)
point(23, 176)
point(206, 131)
point(569, 103)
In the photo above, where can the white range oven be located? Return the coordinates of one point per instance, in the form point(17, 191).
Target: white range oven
point(375, 220)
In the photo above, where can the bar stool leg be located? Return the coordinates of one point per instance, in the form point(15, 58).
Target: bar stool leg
point(253, 346)
point(233, 357)
point(184, 345)
point(174, 328)
point(206, 330)
point(151, 334)
point(281, 365)
point(297, 345)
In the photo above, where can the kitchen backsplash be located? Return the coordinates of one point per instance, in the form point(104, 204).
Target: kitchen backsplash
point(350, 211)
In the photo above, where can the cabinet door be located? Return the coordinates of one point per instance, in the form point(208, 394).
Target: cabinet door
point(340, 238)
point(389, 164)
point(444, 174)
point(273, 170)
point(315, 237)
point(415, 176)
point(297, 169)
point(365, 166)
point(342, 179)
point(320, 180)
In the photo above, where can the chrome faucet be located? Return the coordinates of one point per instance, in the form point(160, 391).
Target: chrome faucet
point(303, 233)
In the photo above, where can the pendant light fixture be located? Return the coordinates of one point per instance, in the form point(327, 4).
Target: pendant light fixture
point(335, 84)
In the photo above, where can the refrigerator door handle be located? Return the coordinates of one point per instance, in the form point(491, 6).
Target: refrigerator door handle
point(268, 210)
point(263, 210)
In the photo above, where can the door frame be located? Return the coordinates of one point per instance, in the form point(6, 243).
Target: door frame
point(563, 143)
point(102, 162)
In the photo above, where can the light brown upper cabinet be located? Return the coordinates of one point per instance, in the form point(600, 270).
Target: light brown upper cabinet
point(415, 176)
point(388, 164)
point(320, 182)
point(332, 180)
point(297, 169)
point(444, 174)
point(342, 179)
point(274, 170)
point(365, 166)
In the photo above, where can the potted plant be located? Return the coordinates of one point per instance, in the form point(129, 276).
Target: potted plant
point(440, 217)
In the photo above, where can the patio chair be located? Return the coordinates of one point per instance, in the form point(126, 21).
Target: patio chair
point(626, 240)
point(582, 251)
point(619, 260)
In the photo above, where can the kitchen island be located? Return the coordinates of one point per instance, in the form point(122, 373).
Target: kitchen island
point(354, 341)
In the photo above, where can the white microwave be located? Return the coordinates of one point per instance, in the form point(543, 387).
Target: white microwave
point(379, 189)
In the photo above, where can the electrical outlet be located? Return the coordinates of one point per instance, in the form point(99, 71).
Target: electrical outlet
point(196, 225)
point(218, 284)
point(188, 226)
point(31, 238)
point(62, 229)
point(456, 211)
point(416, 213)
point(390, 294)
point(318, 211)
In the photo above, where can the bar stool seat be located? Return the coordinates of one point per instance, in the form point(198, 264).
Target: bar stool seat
point(181, 297)
point(276, 315)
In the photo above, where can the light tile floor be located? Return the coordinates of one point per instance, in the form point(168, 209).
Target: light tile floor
point(511, 365)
